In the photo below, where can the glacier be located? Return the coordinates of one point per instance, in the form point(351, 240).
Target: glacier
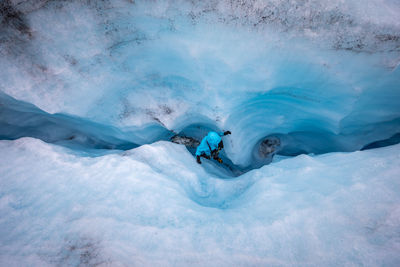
point(154, 205)
point(102, 104)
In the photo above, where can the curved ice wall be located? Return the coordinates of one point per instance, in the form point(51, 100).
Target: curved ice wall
point(319, 75)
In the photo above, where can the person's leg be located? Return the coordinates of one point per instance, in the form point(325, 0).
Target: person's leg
point(202, 155)
point(216, 156)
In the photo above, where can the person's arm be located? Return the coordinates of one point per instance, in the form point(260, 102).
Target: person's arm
point(224, 133)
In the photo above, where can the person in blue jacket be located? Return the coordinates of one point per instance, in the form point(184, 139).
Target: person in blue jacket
point(210, 146)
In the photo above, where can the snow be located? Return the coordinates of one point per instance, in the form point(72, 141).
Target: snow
point(92, 92)
point(154, 205)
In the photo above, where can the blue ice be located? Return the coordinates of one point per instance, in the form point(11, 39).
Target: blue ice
point(93, 92)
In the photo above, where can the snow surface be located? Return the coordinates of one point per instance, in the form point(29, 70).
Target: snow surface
point(155, 206)
point(92, 93)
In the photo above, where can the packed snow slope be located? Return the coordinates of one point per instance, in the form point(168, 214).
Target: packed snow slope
point(155, 206)
point(93, 92)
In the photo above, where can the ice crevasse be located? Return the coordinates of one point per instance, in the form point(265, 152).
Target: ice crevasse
point(93, 92)
point(154, 205)
point(320, 77)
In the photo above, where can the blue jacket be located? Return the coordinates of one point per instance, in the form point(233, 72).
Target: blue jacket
point(213, 139)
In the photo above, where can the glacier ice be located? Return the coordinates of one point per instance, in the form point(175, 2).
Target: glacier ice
point(322, 77)
point(301, 84)
point(154, 205)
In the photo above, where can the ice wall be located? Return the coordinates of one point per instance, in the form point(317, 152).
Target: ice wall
point(320, 76)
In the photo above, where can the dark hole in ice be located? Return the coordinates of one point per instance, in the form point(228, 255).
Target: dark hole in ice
point(395, 139)
point(269, 146)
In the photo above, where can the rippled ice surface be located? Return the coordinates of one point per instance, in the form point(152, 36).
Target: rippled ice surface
point(92, 93)
point(322, 76)
point(154, 205)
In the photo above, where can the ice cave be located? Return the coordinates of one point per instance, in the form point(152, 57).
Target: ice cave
point(103, 103)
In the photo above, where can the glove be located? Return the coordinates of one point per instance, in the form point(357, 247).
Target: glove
point(198, 160)
point(219, 160)
point(227, 132)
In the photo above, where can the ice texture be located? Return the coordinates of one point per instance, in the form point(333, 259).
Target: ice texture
point(320, 76)
point(155, 206)
point(98, 99)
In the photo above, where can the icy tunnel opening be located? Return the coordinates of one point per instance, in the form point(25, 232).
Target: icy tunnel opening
point(19, 119)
